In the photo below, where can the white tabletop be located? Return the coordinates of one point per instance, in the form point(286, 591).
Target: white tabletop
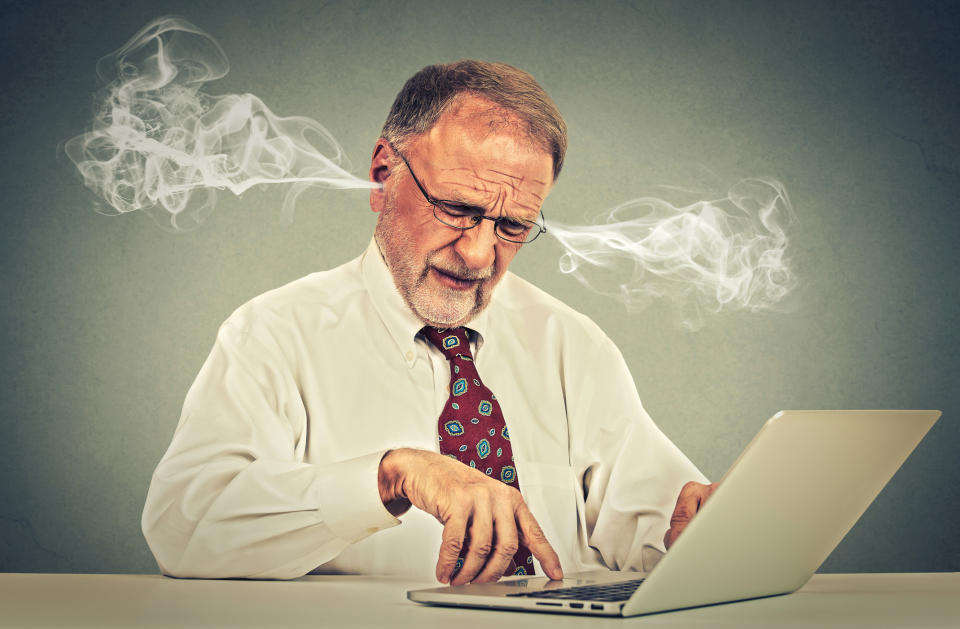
point(108, 600)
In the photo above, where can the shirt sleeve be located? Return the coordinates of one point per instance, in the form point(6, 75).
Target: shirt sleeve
point(631, 472)
point(232, 496)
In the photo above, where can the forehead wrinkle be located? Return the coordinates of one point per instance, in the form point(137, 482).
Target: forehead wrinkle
point(514, 183)
point(519, 178)
point(514, 180)
point(458, 190)
point(501, 196)
point(485, 192)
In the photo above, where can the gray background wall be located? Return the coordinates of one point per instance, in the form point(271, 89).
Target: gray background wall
point(853, 105)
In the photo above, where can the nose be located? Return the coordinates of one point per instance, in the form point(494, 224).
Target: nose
point(477, 246)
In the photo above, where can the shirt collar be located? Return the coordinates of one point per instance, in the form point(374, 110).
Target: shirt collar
point(396, 315)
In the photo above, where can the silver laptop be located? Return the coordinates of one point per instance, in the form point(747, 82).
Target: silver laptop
point(780, 509)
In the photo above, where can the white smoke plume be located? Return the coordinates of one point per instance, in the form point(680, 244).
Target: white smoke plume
point(727, 254)
point(159, 143)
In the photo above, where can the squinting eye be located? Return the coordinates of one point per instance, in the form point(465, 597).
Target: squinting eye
point(514, 226)
point(457, 210)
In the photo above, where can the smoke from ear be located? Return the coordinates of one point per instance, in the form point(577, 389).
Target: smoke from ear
point(160, 144)
point(705, 256)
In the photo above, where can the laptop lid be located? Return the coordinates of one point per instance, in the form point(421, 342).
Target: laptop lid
point(783, 506)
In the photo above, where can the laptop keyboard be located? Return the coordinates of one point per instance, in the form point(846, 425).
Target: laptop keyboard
point(606, 592)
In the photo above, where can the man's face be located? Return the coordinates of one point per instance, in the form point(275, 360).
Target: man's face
point(446, 275)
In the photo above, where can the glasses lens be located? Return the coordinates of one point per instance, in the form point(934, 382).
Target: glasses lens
point(512, 230)
point(518, 230)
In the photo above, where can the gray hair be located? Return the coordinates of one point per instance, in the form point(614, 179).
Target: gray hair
point(432, 90)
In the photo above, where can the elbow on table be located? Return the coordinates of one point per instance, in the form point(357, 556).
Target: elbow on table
point(182, 563)
point(172, 540)
point(194, 554)
point(169, 548)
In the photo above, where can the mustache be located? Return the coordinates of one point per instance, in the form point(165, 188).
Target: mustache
point(458, 268)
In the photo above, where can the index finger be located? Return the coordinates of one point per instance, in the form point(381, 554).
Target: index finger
point(533, 538)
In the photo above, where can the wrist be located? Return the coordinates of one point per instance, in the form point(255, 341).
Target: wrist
point(390, 482)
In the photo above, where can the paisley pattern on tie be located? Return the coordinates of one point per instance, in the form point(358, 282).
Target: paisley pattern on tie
point(471, 427)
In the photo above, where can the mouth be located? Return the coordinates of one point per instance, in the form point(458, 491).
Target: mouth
point(455, 282)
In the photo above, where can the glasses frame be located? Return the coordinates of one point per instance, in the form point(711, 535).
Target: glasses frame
point(476, 218)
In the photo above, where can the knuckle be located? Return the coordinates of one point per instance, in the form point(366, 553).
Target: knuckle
point(536, 536)
point(486, 496)
point(470, 493)
point(519, 506)
point(680, 516)
point(509, 549)
point(461, 501)
point(452, 545)
point(534, 528)
point(481, 550)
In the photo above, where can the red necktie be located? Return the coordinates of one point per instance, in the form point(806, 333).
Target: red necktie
point(471, 426)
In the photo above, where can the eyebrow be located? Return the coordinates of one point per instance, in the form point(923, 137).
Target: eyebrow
point(464, 204)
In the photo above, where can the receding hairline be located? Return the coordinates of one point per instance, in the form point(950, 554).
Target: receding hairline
point(498, 118)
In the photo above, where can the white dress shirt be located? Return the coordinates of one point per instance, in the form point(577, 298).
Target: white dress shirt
point(272, 471)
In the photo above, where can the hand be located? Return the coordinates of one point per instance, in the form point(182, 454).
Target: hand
point(483, 519)
point(692, 498)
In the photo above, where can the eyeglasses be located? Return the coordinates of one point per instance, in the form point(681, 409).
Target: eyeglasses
point(463, 217)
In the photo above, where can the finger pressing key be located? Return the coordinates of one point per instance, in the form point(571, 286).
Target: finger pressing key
point(531, 536)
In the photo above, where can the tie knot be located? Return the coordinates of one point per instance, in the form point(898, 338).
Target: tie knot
point(451, 341)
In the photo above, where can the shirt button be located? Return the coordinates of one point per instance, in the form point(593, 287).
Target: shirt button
point(409, 355)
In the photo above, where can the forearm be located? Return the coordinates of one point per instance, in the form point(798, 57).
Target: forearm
point(231, 517)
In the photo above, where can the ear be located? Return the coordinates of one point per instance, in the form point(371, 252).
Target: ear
point(379, 173)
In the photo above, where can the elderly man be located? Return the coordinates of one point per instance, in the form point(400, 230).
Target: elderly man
point(423, 373)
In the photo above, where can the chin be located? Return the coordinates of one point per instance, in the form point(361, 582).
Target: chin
point(445, 314)
point(443, 307)
point(443, 319)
